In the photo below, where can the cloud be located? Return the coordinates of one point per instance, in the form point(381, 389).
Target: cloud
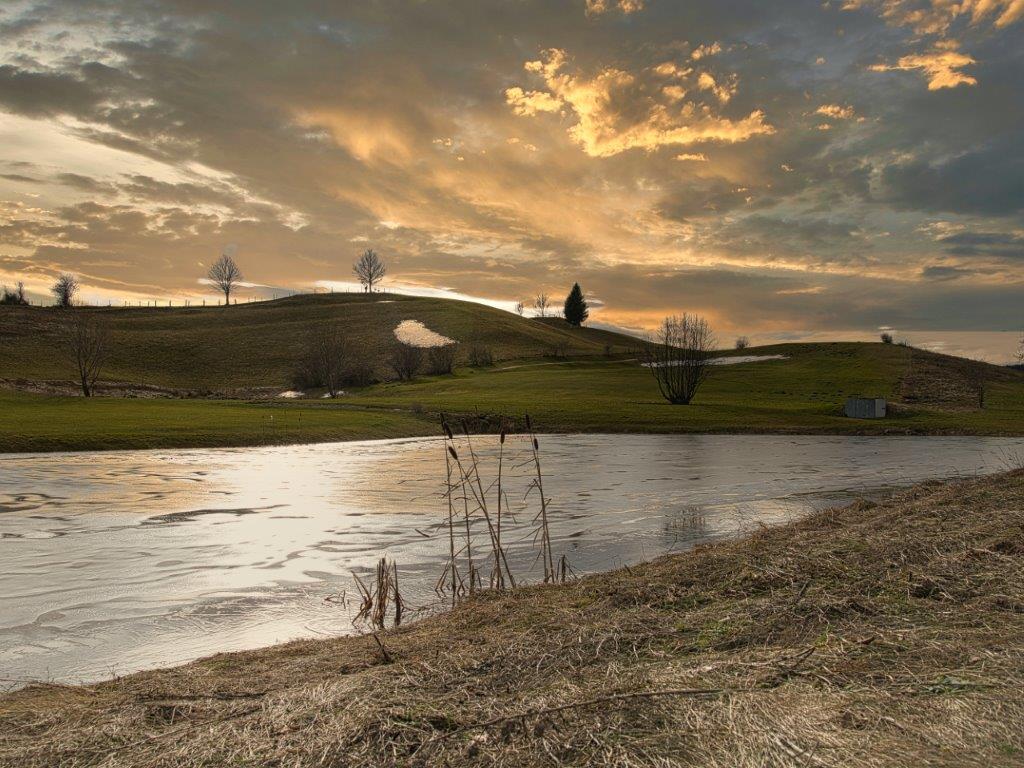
point(835, 111)
point(597, 7)
point(723, 92)
point(944, 272)
point(703, 51)
point(988, 180)
point(618, 110)
point(528, 103)
point(1000, 245)
point(934, 17)
point(941, 66)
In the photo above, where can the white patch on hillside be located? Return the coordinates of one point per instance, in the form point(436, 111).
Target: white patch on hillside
point(292, 394)
point(416, 334)
point(737, 359)
point(732, 360)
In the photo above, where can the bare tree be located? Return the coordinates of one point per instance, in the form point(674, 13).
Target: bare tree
point(680, 357)
point(369, 269)
point(742, 342)
point(85, 342)
point(886, 337)
point(64, 290)
point(406, 360)
point(541, 304)
point(225, 274)
point(325, 361)
point(520, 308)
point(1020, 351)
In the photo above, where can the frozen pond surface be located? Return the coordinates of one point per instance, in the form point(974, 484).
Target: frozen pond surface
point(119, 561)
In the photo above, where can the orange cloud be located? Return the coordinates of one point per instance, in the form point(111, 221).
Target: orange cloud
point(934, 17)
point(835, 111)
point(617, 111)
point(703, 51)
point(527, 103)
point(941, 66)
point(597, 7)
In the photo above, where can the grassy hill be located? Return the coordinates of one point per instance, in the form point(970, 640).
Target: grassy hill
point(258, 345)
point(594, 385)
point(804, 392)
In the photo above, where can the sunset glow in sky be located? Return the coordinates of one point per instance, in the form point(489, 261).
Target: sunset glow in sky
point(790, 169)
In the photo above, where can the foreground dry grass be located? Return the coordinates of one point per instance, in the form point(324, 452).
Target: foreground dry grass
point(888, 635)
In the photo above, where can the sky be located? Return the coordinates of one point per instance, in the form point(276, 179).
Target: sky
point(791, 170)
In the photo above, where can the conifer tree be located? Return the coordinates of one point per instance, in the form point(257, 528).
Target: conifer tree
point(576, 311)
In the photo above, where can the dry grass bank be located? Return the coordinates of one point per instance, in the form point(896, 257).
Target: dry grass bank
point(887, 635)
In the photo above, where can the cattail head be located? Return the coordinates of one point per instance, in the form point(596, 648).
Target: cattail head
point(536, 445)
point(502, 438)
point(529, 427)
point(451, 450)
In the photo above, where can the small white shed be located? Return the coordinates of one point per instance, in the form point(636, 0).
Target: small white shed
point(865, 408)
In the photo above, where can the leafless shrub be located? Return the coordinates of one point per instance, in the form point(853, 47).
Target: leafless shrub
point(325, 360)
point(541, 303)
point(480, 355)
point(560, 349)
point(742, 342)
point(679, 357)
point(886, 337)
point(406, 360)
point(64, 290)
point(520, 308)
point(442, 359)
point(85, 342)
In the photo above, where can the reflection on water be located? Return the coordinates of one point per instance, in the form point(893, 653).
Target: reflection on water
point(115, 562)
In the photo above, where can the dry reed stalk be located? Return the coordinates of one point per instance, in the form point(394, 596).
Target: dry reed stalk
point(542, 517)
point(501, 457)
point(375, 599)
point(449, 490)
point(472, 477)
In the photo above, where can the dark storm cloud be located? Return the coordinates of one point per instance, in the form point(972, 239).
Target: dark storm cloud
point(1002, 245)
point(43, 94)
point(987, 181)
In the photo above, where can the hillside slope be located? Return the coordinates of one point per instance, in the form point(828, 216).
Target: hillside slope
point(258, 345)
point(802, 392)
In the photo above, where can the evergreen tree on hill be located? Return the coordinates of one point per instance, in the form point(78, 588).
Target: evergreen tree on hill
point(576, 312)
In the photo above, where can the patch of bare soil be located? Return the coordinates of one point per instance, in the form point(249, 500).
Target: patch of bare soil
point(873, 635)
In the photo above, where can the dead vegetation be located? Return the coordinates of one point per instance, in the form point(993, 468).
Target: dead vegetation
point(874, 635)
point(946, 383)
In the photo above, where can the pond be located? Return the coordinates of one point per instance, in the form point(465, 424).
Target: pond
point(115, 562)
